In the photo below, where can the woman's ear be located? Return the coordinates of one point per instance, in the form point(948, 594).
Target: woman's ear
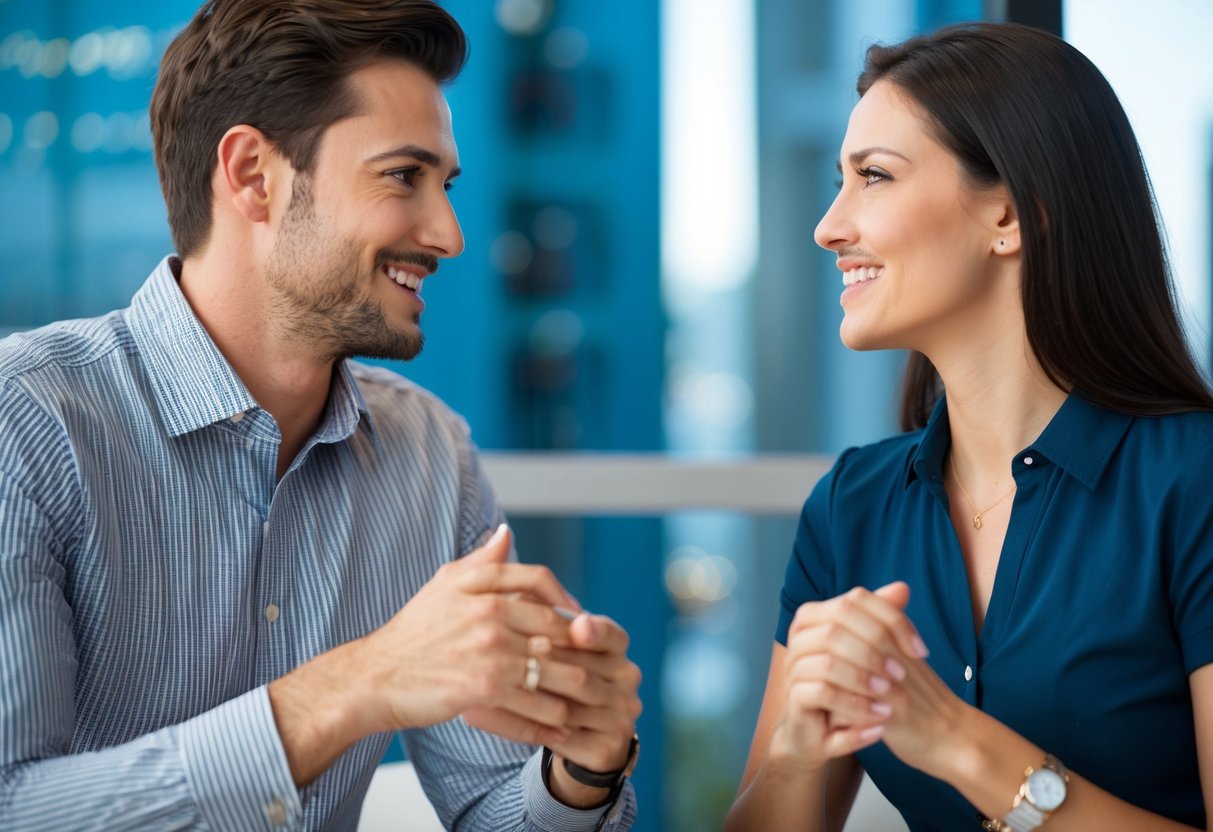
point(1004, 229)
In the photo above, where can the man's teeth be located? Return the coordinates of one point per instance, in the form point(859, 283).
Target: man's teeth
point(404, 278)
point(850, 278)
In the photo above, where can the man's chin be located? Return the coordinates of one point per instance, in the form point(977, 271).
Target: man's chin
point(400, 349)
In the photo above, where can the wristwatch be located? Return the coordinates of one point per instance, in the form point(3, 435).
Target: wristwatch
point(1042, 793)
point(612, 780)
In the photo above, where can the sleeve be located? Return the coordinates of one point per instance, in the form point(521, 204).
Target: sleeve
point(479, 781)
point(810, 575)
point(224, 769)
point(476, 780)
point(1191, 574)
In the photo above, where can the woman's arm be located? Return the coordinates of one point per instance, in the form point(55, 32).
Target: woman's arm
point(936, 732)
point(776, 792)
point(822, 704)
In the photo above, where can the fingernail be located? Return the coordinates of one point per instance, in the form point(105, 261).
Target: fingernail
point(920, 646)
point(596, 629)
point(565, 613)
point(883, 709)
point(879, 684)
point(869, 734)
point(895, 669)
point(497, 533)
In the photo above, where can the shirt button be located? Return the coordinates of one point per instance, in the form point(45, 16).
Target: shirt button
point(248, 443)
point(236, 419)
point(968, 673)
point(271, 612)
point(275, 812)
point(1027, 460)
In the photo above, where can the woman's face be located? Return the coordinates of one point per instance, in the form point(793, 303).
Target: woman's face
point(915, 242)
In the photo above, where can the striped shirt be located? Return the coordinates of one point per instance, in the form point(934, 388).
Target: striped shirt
point(155, 577)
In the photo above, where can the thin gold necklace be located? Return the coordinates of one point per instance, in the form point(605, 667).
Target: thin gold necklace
point(976, 514)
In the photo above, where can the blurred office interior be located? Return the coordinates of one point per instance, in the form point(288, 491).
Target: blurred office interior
point(641, 184)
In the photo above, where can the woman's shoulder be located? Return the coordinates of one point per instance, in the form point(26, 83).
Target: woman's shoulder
point(890, 456)
point(1178, 440)
point(863, 474)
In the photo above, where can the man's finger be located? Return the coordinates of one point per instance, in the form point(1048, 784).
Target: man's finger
point(524, 616)
point(513, 727)
point(537, 582)
point(598, 633)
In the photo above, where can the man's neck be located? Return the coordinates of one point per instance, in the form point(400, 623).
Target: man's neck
point(232, 302)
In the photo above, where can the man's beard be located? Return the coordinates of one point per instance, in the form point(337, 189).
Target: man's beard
point(328, 310)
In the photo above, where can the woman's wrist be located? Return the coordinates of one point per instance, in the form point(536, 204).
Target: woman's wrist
point(961, 751)
point(787, 758)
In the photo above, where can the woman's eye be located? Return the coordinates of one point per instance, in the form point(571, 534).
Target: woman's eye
point(873, 175)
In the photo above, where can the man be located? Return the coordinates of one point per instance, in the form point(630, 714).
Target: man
point(230, 560)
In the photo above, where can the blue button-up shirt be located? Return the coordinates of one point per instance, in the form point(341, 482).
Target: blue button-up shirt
point(155, 577)
point(1102, 602)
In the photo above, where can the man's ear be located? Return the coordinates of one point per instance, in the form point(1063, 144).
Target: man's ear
point(1004, 227)
point(248, 172)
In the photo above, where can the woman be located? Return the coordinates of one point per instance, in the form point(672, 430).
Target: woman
point(1033, 647)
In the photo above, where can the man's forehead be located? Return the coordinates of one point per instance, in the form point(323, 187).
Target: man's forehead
point(402, 112)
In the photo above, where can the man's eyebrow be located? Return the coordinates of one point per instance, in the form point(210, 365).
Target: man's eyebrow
point(412, 151)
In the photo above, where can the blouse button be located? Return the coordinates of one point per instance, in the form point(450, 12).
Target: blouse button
point(271, 612)
point(968, 673)
point(1027, 460)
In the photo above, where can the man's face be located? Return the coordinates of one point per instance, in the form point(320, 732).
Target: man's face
point(368, 225)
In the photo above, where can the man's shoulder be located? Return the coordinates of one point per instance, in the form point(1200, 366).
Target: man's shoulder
point(59, 347)
point(392, 398)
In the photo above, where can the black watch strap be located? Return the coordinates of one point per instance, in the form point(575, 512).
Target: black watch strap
point(598, 779)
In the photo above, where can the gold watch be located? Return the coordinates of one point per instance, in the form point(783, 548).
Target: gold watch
point(1041, 794)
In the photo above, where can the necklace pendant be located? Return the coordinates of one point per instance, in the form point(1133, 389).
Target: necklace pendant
point(977, 521)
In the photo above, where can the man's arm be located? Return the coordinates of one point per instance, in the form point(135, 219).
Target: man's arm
point(460, 645)
point(223, 769)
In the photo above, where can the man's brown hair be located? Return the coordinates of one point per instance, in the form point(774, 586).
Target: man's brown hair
point(280, 66)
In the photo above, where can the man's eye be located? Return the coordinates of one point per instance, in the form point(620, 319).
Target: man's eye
point(405, 175)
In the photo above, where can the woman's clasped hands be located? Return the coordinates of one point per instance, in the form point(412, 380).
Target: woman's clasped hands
point(856, 675)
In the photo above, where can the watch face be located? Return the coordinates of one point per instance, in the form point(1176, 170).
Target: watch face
point(1046, 789)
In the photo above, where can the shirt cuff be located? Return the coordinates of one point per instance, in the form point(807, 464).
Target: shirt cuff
point(546, 812)
point(237, 767)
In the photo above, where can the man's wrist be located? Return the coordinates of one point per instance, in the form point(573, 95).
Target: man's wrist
point(315, 719)
point(567, 790)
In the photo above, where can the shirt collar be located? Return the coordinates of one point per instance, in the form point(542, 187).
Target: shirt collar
point(1080, 439)
point(194, 385)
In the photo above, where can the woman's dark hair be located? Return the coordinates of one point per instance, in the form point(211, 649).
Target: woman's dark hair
point(1021, 107)
point(280, 66)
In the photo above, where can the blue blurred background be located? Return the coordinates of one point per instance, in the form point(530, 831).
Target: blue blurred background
point(641, 184)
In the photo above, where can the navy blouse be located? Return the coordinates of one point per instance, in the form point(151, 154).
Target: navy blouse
point(1102, 604)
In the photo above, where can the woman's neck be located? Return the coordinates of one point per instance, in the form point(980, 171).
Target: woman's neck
point(999, 401)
